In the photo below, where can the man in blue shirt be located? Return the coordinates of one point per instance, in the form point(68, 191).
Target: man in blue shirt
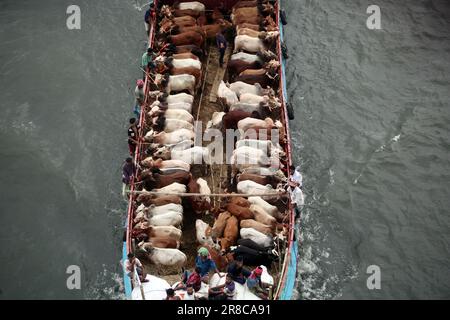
point(221, 45)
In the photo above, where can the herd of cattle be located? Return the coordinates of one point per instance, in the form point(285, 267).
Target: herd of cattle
point(245, 226)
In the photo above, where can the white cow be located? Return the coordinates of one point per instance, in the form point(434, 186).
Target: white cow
point(167, 257)
point(246, 57)
point(171, 218)
point(251, 187)
point(157, 210)
point(173, 188)
point(216, 121)
point(248, 156)
point(166, 164)
point(256, 236)
point(171, 125)
point(228, 95)
point(179, 114)
point(181, 82)
point(186, 63)
point(203, 233)
point(247, 107)
point(158, 107)
point(180, 106)
point(180, 97)
point(194, 155)
point(264, 145)
point(240, 87)
point(165, 231)
point(249, 122)
point(253, 98)
point(204, 189)
point(247, 43)
point(267, 207)
point(262, 216)
point(192, 5)
point(169, 138)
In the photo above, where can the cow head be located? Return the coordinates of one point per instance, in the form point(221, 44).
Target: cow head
point(167, 11)
point(163, 152)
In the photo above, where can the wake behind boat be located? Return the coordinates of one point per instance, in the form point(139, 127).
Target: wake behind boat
point(210, 213)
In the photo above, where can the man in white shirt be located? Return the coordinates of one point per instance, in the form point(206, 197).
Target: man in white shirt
point(133, 262)
point(295, 185)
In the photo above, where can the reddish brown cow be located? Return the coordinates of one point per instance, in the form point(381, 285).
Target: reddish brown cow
point(246, 11)
point(252, 26)
point(219, 225)
point(189, 48)
point(201, 20)
point(230, 234)
point(240, 212)
point(197, 29)
point(240, 201)
point(149, 199)
point(220, 260)
point(252, 19)
point(186, 38)
point(262, 79)
point(247, 3)
point(156, 180)
point(230, 119)
point(237, 66)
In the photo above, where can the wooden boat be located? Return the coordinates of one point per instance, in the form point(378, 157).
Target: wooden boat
point(282, 272)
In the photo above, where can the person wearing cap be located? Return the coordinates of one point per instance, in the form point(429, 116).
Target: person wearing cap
point(171, 295)
point(204, 262)
point(237, 271)
point(139, 96)
point(147, 63)
point(254, 283)
point(149, 14)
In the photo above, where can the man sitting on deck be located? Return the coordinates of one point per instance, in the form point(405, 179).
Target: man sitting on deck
point(223, 292)
point(190, 279)
point(236, 270)
point(255, 285)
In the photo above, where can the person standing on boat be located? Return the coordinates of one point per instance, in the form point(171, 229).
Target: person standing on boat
point(204, 262)
point(149, 15)
point(133, 263)
point(255, 285)
point(295, 189)
point(221, 45)
point(147, 63)
point(133, 131)
point(128, 169)
point(140, 98)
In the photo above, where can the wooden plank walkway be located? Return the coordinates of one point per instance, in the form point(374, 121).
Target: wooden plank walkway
point(219, 74)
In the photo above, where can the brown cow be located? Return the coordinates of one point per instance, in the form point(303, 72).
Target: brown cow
point(230, 234)
point(184, 19)
point(252, 19)
point(220, 260)
point(186, 38)
point(262, 216)
point(246, 11)
point(156, 180)
point(263, 79)
point(252, 26)
point(185, 12)
point(240, 212)
point(219, 225)
point(190, 48)
point(258, 226)
point(197, 29)
point(160, 242)
point(237, 66)
point(240, 201)
point(212, 29)
point(149, 199)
